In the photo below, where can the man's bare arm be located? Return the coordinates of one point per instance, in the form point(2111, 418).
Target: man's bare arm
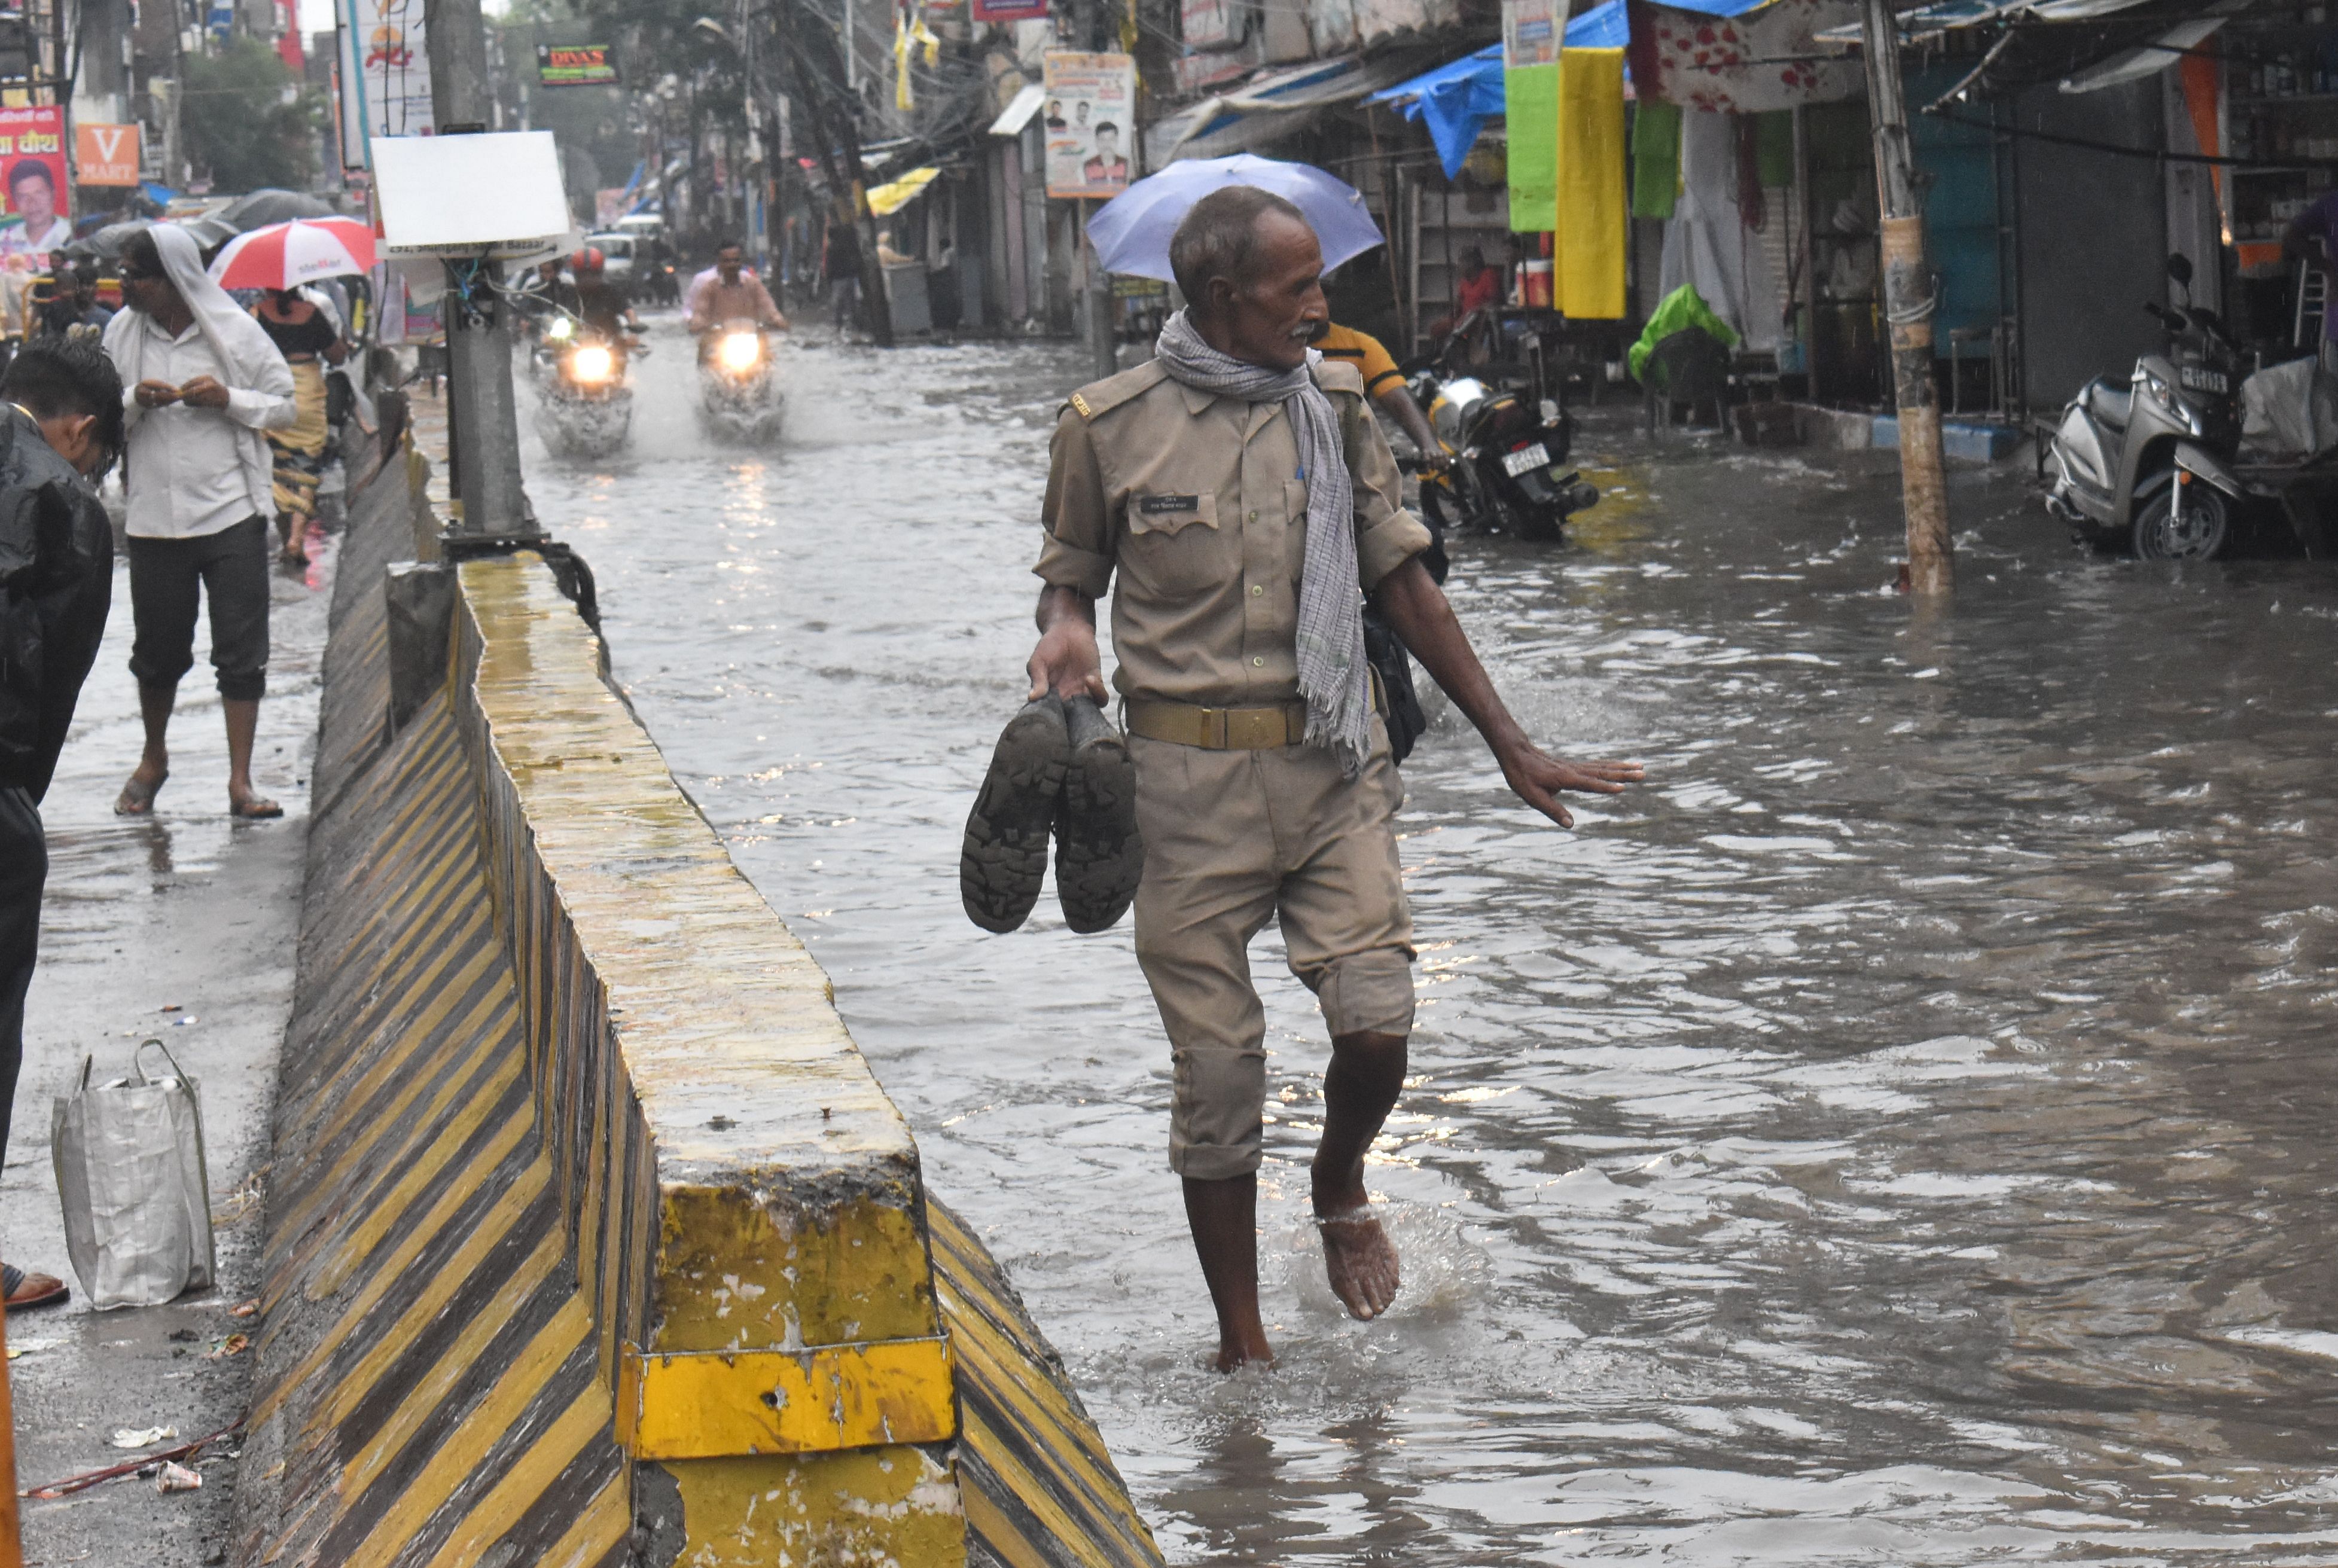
point(1065, 661)
point(1417, 608)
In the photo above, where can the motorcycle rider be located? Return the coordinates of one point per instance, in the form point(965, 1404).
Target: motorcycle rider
point(733, 294)
point(600, 304)
point(1384, 385)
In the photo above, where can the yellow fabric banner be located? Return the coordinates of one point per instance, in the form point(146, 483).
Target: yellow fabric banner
point(1588, 269)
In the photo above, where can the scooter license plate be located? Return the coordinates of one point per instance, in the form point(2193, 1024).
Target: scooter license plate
point(2197, 379)
point(1526, 459)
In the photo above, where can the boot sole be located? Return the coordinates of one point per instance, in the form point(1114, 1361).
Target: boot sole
point(1004, 863)
point(1099, 853)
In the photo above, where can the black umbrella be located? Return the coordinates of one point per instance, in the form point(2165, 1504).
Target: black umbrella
point(261, 207)
point(105, 244)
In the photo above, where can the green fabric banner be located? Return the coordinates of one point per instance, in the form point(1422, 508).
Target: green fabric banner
point(1531, 95)
point(1655, 158)
point(1774, 148)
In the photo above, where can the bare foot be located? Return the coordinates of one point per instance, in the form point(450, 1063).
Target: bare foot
point(252, 808)
point(137, 797)
point(1361, 1260)
point(1234, 1353)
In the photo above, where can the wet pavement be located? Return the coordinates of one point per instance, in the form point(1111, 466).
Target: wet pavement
point(1898, 1133)
point(178, 927)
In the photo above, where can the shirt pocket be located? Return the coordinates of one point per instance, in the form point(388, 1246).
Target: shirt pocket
point(1175, 547)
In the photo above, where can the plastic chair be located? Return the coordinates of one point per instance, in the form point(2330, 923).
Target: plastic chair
point(1690, 367)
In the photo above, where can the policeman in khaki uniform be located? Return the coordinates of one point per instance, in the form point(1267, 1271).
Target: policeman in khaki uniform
point(1263, 785)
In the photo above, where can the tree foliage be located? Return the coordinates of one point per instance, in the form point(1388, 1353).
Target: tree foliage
point(249, 120)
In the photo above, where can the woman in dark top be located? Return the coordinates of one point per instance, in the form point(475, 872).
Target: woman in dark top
point(304, 332)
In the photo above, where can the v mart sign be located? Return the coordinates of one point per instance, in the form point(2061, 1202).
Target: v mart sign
point(105, 154)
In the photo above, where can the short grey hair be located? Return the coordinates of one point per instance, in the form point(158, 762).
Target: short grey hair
point(1219, 238)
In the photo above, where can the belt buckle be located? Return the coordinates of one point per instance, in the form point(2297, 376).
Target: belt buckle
point(1212, 734)
point(1256, 729)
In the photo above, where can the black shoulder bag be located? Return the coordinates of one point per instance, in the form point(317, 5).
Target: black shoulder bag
point(1385, 651)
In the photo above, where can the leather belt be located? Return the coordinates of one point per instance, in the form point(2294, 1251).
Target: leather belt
point(1220, 729)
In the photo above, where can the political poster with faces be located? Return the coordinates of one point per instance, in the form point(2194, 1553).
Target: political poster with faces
point(1089, 119)
point(33, 180)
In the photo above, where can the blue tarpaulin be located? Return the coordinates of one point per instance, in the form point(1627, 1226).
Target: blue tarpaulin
point(1457, 99)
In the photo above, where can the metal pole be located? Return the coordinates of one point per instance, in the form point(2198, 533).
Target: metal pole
point(1908, 304)
point(1104, 352)
point(482, 411)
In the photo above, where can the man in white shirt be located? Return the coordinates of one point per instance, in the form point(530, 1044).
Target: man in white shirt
point(203, 382)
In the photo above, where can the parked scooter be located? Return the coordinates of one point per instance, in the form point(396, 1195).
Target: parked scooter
point(1508, 472)
point(586, 409)
point(738, 395)
point(2151, 467)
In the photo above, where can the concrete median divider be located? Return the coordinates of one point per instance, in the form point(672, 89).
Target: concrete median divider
point(592, 1239)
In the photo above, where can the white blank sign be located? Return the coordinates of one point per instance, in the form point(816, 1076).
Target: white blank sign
point(490, 191)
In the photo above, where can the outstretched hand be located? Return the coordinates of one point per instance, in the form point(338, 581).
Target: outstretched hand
point(1536, 778)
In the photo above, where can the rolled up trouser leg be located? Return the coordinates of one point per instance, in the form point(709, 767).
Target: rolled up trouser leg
point(1208, 887)
point(1230, 838)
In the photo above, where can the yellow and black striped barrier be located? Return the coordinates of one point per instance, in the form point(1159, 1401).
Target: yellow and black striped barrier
point(591, 1240)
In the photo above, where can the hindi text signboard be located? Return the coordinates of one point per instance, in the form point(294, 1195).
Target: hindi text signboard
point(384, 75)
point(33, 180)
point(1089, 118)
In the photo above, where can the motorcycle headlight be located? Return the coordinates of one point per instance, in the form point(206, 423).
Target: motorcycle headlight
point(2167, 398)
point(562, 330)
point(592, 364)
point(738, 352)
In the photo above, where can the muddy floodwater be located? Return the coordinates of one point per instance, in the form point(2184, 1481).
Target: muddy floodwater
point(1899, 1134)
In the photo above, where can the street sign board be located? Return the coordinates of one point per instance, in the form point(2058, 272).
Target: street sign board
point(384, 74)
point(1090, 123)
point(576, 66)
point(105, 154)
point(33, 180)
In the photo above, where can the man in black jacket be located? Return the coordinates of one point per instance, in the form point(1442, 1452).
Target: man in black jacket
point(60, 429)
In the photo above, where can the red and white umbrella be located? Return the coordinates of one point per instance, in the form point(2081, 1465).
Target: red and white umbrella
point(287, 254)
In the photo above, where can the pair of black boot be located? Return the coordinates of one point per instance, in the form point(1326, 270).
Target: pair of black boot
point(1061, 769)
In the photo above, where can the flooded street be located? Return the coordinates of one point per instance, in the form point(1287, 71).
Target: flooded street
point(1899, 1134)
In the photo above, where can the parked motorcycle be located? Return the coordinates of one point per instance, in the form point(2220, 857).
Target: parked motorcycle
point(1508, 472)
point(586, 408)
point(2151, 467)
point(738, 395)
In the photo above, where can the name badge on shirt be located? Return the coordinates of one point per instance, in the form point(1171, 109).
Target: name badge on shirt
point(1155, 505)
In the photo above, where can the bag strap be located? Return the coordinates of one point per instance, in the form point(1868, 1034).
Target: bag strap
point(138, 1065)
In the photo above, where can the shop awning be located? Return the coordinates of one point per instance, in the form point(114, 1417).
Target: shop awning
point(1018, 113)
point(1943, 16)
point(898, 194)
point(1266, 108)
point(1457, 99)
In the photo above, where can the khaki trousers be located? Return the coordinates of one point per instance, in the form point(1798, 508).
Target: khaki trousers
point(1234, 839)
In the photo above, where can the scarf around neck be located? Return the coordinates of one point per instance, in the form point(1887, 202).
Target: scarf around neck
point(1331, 645)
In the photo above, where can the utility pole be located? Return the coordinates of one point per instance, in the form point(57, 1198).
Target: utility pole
point(482, 414)
point(1908, 299)
point(814, 68)
point(1104, 353)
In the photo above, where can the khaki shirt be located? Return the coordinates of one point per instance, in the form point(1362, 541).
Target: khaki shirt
point(1197, 501)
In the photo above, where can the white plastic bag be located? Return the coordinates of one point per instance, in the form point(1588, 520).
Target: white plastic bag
point(130, 1174)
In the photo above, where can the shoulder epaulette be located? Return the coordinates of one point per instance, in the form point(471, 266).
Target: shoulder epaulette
point(1338, 376)
point(1100, 398)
